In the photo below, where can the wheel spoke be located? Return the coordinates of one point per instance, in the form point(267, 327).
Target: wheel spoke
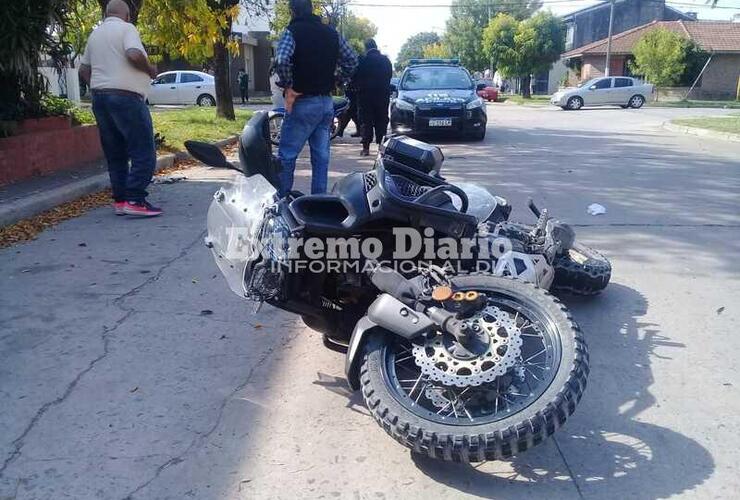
point(432, 396)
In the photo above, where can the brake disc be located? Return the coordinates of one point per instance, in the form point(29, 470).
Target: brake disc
point(439, 358)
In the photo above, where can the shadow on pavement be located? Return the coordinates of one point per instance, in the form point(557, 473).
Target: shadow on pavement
point(607, 452)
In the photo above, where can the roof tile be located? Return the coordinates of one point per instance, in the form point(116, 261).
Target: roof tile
point(712, 36)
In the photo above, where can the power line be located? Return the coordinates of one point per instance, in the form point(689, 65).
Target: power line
point(523, 2)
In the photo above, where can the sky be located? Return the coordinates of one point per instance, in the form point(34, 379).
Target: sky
point(396, 24)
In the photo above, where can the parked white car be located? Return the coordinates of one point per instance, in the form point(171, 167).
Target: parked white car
point(183, 87)
point(606, 91)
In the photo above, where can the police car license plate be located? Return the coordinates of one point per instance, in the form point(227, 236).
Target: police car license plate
point(441, 122)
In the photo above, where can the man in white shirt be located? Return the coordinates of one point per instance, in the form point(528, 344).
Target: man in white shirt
point(118, 72)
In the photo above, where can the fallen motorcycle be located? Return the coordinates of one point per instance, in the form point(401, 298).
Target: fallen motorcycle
point(277, 115)
point(454, 362)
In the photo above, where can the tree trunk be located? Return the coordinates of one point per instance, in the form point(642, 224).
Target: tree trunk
point(526, 84)
point(224, 99)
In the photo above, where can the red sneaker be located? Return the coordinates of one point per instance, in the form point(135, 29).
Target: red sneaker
point(141, 209)
point(118, 207)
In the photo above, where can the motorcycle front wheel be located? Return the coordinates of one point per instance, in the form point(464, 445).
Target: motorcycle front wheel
point(438, 399)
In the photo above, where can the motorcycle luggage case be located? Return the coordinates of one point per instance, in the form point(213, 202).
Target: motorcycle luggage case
point(415, 154)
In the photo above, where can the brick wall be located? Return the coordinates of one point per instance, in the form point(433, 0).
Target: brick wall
point(720, 78)
point(46, 151)
point(594, 66)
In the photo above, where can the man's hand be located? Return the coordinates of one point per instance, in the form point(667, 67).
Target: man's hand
point(290, 97)
point(153, 71)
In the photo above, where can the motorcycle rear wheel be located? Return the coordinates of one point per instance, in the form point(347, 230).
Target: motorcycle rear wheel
point(581, 271)
point(411, 419)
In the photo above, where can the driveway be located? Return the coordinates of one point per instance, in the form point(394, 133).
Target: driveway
point(129, 370)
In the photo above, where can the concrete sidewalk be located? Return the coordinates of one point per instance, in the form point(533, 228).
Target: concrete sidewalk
point(31, 197)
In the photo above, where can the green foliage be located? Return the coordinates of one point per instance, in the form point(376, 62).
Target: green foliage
point(540, 40)
point(354, 28)
point(84, 15)
point(177, 126)
point(660, 56)
point(52, 105)
point(437, 51)
point(499, 46)
point(56, 106)
point(32, 29)
point(468, 19)
point(188, 28)
point(332, 11)
point(413, 48)
point(522, 48)
point(696, 57)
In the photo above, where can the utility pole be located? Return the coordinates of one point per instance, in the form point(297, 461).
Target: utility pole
point(609, 41)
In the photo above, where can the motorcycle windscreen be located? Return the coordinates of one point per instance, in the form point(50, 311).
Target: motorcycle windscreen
point(481, 203)
point(234, 220)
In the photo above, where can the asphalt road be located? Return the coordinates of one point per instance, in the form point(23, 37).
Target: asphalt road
point(129, 370)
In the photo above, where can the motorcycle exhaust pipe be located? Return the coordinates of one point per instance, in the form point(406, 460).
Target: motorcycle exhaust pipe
point(394, 284)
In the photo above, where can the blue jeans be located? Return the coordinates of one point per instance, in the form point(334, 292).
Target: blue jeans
point(126, 133)
point(310, 121)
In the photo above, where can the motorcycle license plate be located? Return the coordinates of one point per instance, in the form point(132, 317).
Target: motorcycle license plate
point(441, 122)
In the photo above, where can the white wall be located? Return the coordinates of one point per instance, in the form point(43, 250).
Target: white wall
point(71, 78)
point(247, 22)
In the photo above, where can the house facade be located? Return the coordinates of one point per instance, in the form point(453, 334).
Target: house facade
point(720, 39)
point(255, 51)
point(590, 24)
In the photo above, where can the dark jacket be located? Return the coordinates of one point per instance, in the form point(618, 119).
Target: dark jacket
point(315, 57)
point(374, 73)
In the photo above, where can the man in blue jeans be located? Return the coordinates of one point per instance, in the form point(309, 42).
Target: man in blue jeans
point(116, 67)
point(308, 55)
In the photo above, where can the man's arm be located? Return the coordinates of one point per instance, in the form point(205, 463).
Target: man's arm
point(284, 68)
point(85, 73)
point(135, 52)
point(85, 70)
point(347, 62)
point(139, 61)
point(284, 60)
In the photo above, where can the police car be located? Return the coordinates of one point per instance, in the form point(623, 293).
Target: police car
point(438, 96)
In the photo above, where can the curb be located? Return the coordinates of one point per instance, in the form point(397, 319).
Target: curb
point(30, 206)
point(701, 132)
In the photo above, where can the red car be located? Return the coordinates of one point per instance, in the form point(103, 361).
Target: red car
point(487, 91)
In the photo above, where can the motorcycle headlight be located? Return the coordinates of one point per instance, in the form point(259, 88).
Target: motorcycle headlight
point(404, 105)
point(475, 103)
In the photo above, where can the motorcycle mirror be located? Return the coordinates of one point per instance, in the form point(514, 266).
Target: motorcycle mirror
point(208, 154)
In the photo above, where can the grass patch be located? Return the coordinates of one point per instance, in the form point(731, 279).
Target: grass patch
point(180, 125)
point(695, 104)
point(535, 100)
point(729, 124)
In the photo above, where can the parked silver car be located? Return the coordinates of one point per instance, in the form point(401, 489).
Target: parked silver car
point(605, 91)
point(183, 87)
